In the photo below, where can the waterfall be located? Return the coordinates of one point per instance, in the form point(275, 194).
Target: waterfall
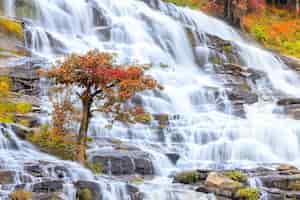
point(201, 134)
point(9, 8)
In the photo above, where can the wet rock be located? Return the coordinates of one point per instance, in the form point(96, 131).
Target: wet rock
point(7, 177)
point(93, 187)
point(276, 194)
point(48, 186)
point(120, 162)
point(282, 182)
point(24, 77)
point(174, 157)
point(191, 177)
point(61, 172)
point(47, 196)
point(292, 62)
point(221, 194)
point(134, 192)
point(187, 177)
point(286, 167)
point(32, 119)
point(218, 180)
point(245, 96)
point(290, 107)
point(21, 131)
point(35, 170)
point(288, 101)
point(57, 46)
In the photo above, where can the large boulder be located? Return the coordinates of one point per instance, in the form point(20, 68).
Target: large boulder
point(218, 180)
point(282, 182)
point(120, 162)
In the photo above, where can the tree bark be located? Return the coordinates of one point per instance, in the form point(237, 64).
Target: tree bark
point(86, 101)
point(297, 8)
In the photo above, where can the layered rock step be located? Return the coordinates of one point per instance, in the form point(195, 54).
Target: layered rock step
point(279, 183)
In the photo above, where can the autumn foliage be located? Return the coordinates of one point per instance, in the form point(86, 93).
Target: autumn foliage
point(102, 86)
point(277, 29)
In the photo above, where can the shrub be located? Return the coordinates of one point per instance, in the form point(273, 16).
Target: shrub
point(12, 27)
point(7, 107)
point(248, 193)
point(5, 85)
point(7, 118)
point(20, 195)
point(23, 107)
point(60, 145)
point(259, 32)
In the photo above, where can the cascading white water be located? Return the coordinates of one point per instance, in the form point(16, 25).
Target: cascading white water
point(9, 8)
point(199, 133)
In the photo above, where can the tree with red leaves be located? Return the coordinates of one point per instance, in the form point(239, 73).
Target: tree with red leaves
point(100, 80)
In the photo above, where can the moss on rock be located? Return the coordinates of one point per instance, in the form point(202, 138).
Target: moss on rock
point(236, 176)
point(248, 193)
point(84, 194)
point(187, 177)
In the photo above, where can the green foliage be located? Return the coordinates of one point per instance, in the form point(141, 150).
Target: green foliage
point(51, 142)
point(8, 109)
point(20, 194)
point(236, 176)
point(277, 29)
point(23, 107)
point(187, 177)
point(7, 118)
point(5, 86)
point(96, 168)
point(248, 193)
point(190, 3)
point(12, 27)
point(84, 194)
point(259, 32)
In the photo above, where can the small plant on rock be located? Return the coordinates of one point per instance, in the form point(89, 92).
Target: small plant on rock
point(84, 194)
point(187, 177)
point(236, 176)
point(20, 194)
point(248, 193)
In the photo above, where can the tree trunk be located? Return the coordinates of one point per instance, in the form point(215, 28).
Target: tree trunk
point(84, 125)
point(297, 8)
